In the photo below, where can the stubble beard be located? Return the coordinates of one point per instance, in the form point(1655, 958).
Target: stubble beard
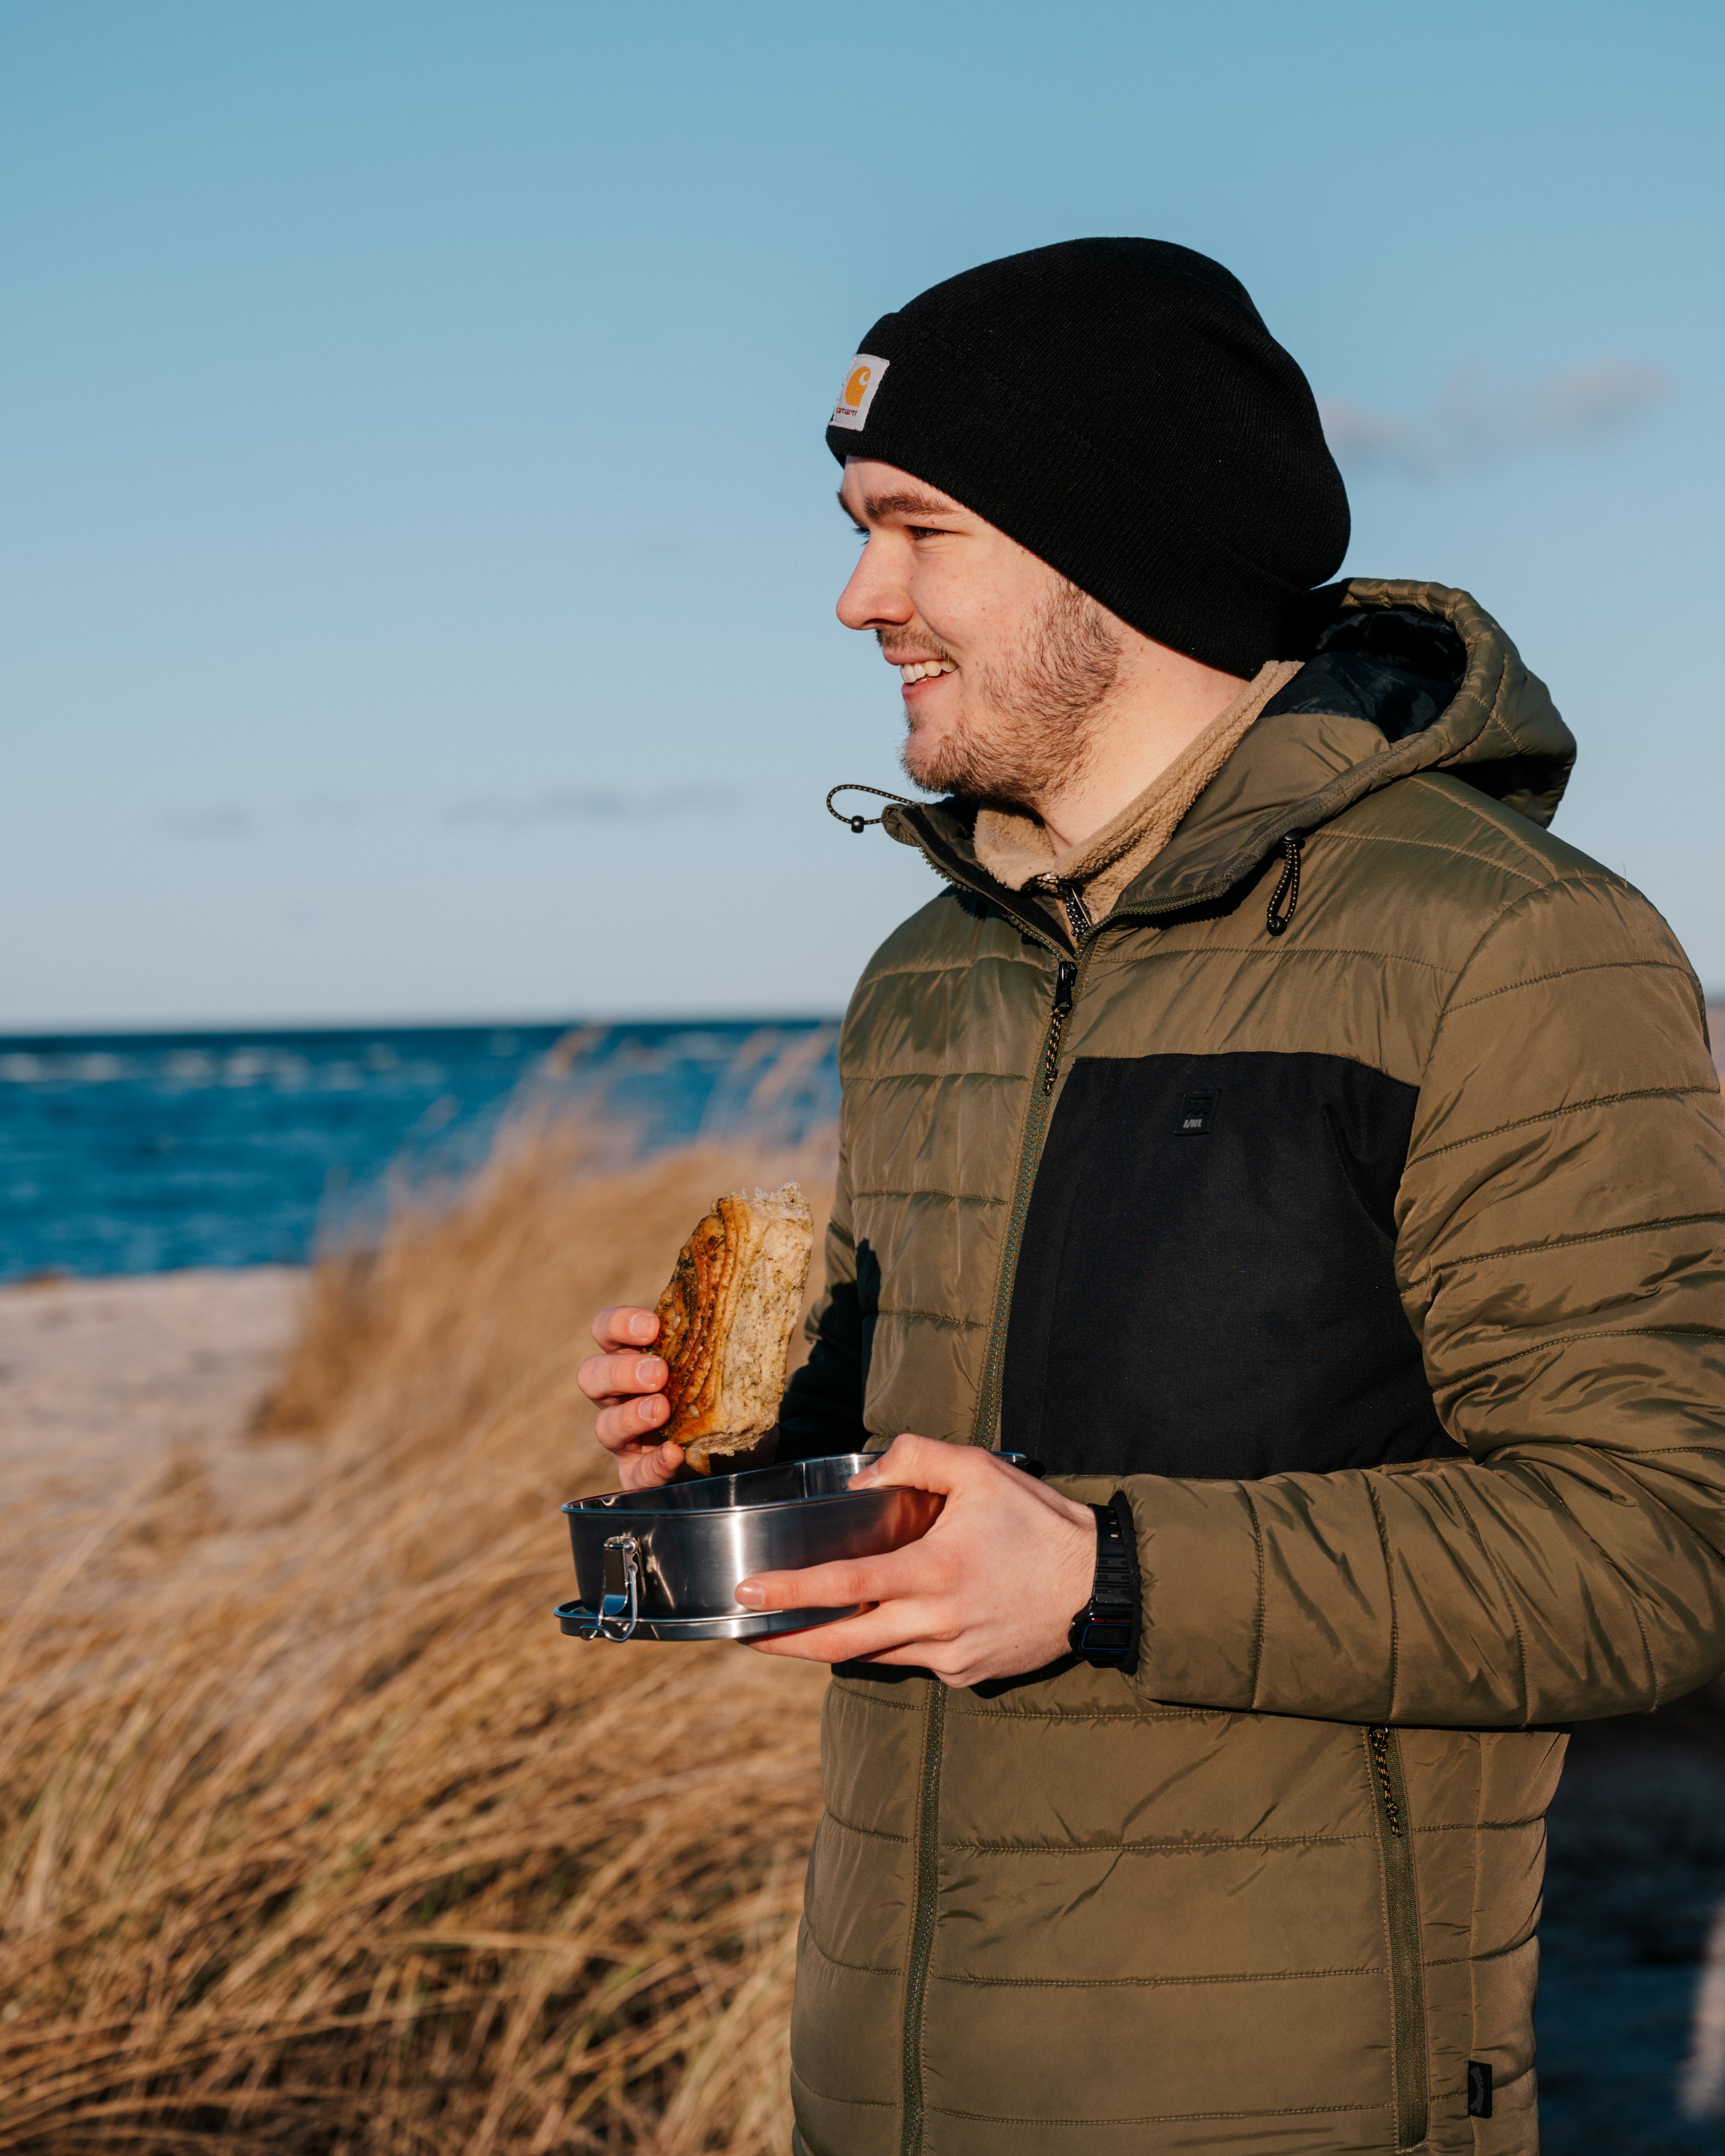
point(1027, 725)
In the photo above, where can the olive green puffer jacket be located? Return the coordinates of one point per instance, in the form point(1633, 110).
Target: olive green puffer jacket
point(1378, 1258)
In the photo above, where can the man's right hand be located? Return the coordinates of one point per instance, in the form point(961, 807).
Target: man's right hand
point(628, 1386)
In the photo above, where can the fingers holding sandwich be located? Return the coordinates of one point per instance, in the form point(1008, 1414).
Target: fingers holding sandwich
point(708, 1398)
point(628, 1385)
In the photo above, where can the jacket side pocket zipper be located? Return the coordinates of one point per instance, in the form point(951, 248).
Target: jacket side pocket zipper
point(1407, 1978)
point(924, 1911)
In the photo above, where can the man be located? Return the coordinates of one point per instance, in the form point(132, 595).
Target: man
point(1319, 1169)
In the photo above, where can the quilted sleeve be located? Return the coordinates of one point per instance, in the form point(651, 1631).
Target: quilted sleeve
point(1561, 1255)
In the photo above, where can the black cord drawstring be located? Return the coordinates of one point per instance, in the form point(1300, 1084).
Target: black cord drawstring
point(860, 823)
point(1276, 921)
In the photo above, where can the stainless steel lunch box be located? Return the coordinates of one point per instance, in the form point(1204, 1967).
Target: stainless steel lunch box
point(664, 1564)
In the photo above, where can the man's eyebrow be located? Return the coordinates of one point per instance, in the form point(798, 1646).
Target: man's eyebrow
point(876, 506)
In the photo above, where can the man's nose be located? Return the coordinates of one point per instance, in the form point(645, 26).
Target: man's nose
point(873, 599)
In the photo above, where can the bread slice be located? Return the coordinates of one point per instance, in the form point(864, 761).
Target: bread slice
point(724, 1324)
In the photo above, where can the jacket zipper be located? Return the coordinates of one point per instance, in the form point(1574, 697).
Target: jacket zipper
point(1068, 974)
point(1407, 1981)
point(983, 1433)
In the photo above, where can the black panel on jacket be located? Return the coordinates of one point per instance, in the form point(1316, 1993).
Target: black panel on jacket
point(1206, 1286)
point(822, 1412)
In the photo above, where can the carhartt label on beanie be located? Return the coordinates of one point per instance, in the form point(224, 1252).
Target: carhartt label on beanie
point(862, 378)
point(1118, 407)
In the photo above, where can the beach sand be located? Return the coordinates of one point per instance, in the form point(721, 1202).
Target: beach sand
point(109, 1388)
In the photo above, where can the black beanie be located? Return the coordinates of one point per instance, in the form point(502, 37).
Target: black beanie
point(1117, 407)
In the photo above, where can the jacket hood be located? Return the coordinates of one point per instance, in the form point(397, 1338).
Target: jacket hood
point(1399, 678)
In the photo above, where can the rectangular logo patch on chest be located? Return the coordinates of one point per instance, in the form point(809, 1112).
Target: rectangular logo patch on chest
point(1196, 1111)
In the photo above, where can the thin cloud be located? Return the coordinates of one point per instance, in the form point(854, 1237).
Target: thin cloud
point(1474, 421)
point(590, 805)
point(326, 807)
point(229, 820)
point(209, 822)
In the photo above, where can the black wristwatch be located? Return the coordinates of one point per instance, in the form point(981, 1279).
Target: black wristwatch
point(1105, 1630)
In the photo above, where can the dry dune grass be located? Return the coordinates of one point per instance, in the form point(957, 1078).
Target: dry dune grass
point(346, 1849)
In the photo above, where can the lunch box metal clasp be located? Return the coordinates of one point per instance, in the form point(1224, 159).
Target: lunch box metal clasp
point(621, 1601)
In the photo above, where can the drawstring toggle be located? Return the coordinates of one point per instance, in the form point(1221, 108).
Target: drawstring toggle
point(860, 823)
point(1276, 921)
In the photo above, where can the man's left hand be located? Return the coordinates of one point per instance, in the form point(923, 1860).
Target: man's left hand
point(989, 1591)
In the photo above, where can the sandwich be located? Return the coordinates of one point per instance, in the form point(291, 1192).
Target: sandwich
point(725, 1323)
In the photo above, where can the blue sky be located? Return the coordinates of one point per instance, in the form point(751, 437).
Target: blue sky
point(417, 542)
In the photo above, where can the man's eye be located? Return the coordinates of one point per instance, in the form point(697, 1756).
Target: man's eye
point(925, 531)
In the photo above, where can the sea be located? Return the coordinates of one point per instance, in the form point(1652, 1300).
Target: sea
point(140, 1152)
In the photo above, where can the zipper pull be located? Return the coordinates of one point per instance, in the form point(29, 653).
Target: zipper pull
point(1065, 980)
point(1077, 913)
point(1379, 1740)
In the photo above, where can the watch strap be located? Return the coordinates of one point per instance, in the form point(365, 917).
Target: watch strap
point(1105, 1632)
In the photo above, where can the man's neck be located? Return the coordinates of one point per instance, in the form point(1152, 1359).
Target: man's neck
point(1160, 703)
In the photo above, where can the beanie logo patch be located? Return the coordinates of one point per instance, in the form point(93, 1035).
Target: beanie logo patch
point(862, 378)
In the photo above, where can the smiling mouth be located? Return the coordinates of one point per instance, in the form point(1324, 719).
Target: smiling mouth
point(920, 670)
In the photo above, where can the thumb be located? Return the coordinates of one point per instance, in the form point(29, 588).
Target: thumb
point(916, 1463)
